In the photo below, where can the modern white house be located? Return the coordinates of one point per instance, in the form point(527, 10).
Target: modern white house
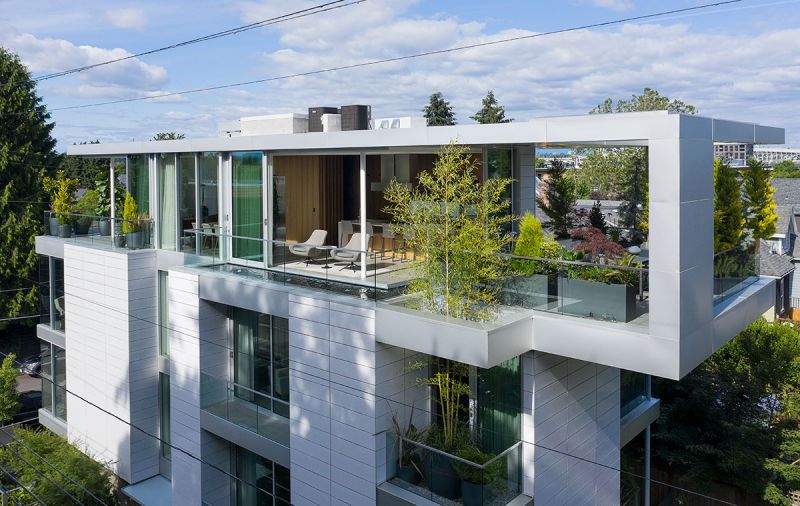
point(229, 354)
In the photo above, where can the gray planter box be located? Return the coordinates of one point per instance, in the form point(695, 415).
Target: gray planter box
point(594, 299)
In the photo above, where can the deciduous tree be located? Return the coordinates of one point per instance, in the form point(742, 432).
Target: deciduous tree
point(786, 168)
point(9, 398)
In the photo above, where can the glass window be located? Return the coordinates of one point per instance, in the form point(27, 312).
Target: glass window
point(260, 481)
point(44, 290)
point(209, 202)
point(167, 197)
point(499, 405)
point(261, 359)
point(138, 183)
point(247, 202)
point(60, 382)
point(59, 309)
point(163, 313)
point(46, 372)
point(188, 199)
point(498, 166)
point(164, 415)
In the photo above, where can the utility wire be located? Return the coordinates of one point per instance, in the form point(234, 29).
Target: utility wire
point(232, 31)
point(40, 473)
point(398, 58)
point(14, 479)
point(377, 396)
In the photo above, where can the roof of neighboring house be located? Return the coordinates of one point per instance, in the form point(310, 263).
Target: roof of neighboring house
point(772, 264)
point(787, 191)
point(785, 214)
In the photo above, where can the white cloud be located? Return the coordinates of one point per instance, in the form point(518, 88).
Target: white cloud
point(614, 5)
point(127, 17)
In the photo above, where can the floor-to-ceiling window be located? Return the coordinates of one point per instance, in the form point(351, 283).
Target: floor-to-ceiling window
point(138, 182)
point(167, 197)
point(260, 481)
point(44, 290)
point(58, 319)
point(499, 166)
point(163, 313)
point(247, 205)
point(164, 416)
point(261, 359)
point(188, 199)
point(209, 221)
point(53, 372)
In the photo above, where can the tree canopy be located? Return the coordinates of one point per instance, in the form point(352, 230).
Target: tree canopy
point(439, 112)
point(9, 398)
point(649, 100)
point(757, 194)
point(491, 111)
point(728, 214)
point(86, 170)
point(27, 153)
point(168, 136)
point(786, 168)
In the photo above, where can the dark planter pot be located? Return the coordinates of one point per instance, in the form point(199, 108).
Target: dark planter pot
point(442, 478)
point(54, 224)
point(119, 240)
point(409, 474)
point(105, 227)
point(594, 299)
point(472, 494)
point(65, 231)
point(81, 226)
point(134, 240)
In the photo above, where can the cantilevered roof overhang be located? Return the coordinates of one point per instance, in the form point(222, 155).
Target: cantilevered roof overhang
point(624, 129)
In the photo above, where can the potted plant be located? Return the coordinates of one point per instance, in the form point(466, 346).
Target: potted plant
point(86, 205)
point(133, 224)
point(408, 465)
point(528, 284)
point(474, 478)
point(61, 191)
point(103, 208)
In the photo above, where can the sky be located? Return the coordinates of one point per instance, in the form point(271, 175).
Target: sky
point(738, 61)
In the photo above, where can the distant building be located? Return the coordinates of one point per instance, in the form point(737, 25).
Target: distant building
point(735, 153)
point(772, 156)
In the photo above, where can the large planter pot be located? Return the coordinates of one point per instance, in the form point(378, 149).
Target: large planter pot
point(105, 227)
point(594, 299)
point(472, 494)
point(134, 240)
point(442, 478)
point(119, 239)
point(81, 226)
point(65, 231)
point(409, 474)
point(54, 224)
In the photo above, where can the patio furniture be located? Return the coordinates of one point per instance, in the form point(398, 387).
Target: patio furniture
point(389, 233)
point(346, 231)
point(351, 252)
point(308, 249)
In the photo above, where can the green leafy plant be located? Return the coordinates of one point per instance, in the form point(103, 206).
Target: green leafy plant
point(408, 455)
point(475, 474)
point(728, 217)
point(130, 215)
point(448, 384)
point(529, 244)
point(9, 398)
point(757, 192)
point(558, 201)
point(61, 190)
point(455, 223)
point(86, 206)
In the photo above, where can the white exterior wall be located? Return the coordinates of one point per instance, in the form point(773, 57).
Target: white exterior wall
point(571, 430)
point(111, 357)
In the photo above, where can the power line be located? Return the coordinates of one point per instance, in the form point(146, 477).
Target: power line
point(14, 479)
point(232, 31)
point(398, 58)
point(40, 473)
point(377, 396)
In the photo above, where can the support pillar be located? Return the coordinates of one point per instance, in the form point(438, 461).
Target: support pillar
point(362, 211)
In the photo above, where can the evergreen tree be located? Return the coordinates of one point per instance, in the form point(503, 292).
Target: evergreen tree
point(85, 170)
point(9, 398)
point(491, 111)
point(558, 202)
point(786, 169)
point(635, 192)
point(728, 218)
point(597, 219)
point(26, 151)
point(168, 136)
point(757, 192)
point(439, 112)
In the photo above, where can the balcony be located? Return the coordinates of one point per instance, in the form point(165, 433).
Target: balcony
point(100, 231)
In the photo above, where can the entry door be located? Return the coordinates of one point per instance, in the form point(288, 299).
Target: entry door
point(248, 173)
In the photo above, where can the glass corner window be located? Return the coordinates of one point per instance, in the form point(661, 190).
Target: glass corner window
point(163, 313)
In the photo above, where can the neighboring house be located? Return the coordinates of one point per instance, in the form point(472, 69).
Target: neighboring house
point(781, 267)
point(782, 248)
point(218, 364)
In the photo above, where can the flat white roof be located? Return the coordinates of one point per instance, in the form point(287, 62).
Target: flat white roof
point(621, 129)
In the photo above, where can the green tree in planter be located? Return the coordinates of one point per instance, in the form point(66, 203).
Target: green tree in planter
point(728, 218)
point(474, 474)
point(757, 193)
point(529, 244)
point(62, 191)
point(558, 202)
point(131, 216)
point(449, 385)
point(455, 222)
point(439, 112)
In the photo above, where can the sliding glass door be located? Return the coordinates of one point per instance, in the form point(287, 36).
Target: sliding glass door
point(247, 206)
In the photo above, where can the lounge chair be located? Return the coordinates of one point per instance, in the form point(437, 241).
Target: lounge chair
point(351, 252)
point(309, 249)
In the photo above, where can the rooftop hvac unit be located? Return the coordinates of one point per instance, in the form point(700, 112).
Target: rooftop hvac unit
point(356, 117)
point(315, 117)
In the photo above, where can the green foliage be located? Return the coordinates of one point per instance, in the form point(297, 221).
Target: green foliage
point(88, 202)
point(602, 173)
point(728, 217)
point(475, 474)
point(649, 100)
point(130, 214)
point(26, 150)
point(759, 205)
point(9, 398)
point(529, 243)
point(597, 219)
point(449, 384)
point(439, 112)
point(558, 202)
point(84, 473)
point(786, 169)
point(725, 421)
point(168, 136)
point(634, 208)
point(62, 192)
point(491, 111)
point(102, 188)
point(539, 163)
point(455, 223)
point(85, 170)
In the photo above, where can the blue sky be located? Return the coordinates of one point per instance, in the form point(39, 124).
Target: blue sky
point(739, 61)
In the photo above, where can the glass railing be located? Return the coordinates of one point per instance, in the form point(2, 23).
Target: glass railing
point(633, 390)
point(607, 292)
point(101, 230)
point(444, 478)
point(369, 275)
point(263, 414)
point(734, 270)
